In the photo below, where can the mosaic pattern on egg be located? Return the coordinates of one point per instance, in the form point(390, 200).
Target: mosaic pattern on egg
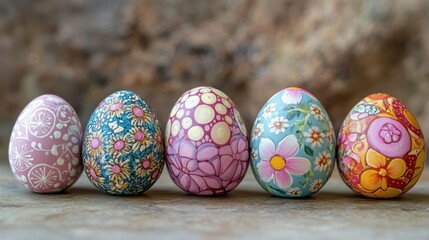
point(381, 148)
point(207, 146)
point(45, 146)
point(123, 148)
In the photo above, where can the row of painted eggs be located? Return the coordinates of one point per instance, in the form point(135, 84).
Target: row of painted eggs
point(292, 148)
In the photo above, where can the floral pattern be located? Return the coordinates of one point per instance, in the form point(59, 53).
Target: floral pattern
point(279, 163)
point(294, 147)
point(207, 144)
point(45, 146)
point(381, 149)
point(123, 152)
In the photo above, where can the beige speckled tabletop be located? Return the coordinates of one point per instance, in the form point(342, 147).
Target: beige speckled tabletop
point(166, 212)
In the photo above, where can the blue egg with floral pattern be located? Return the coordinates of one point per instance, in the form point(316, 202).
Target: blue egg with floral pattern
point(123, 148)
point(292, 145)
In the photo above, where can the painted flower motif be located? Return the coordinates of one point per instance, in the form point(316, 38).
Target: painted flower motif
point(257, 132)
point(296, 191)
point(330, 135)
point(278, 125)
point(381, 171)
point(115, 108)
point(118, 147)
point(183, 165)
point(254, 154)
point(390, 133)
point(292, 96)
point(145, 166)
point(21, 157)
point(41, 123)
point(233, 160)
point(118, 185)
point(140, 116)
point(159, 140)
point(269, 110)
point(279, 163)
point(141, 139)
point(316, 185)
point(347, 140)
point(316, 112)
point(43, 177)
point(207, 170)
point(117, 169)
point(389, 137)
point(93, 170)
point(95, 147)
point(323, 160)
point(314, 136)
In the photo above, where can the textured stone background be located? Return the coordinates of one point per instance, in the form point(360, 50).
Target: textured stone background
point(339, 50)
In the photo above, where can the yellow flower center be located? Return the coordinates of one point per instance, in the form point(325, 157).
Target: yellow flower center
point(277, 162)
point(382, 172)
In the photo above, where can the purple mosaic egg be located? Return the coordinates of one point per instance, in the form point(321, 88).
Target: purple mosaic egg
point(207, 143)
point(45, 145)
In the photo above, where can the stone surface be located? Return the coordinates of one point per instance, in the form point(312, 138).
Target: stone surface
point(339, 50)
point(166, 212)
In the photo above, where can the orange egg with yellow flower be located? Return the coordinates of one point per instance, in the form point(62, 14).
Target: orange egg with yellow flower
point(381, 148)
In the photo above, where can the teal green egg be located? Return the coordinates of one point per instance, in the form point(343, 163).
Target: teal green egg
point(292, 145)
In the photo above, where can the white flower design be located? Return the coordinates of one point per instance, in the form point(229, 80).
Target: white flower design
point(268, 111)
point(294, 191)
point(21, 157)
point(254, 154)
point(323, 160)
point(42, 123)
point(278, 125)
point(257, 132)
point(43, 177)
point(316, 112)
point(314, 136)
point(316, 185)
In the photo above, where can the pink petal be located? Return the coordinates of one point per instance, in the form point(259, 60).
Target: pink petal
point(207, 152)
point(265, 170)
point(187, 150)
point(206, 168)
point(297, 165)
point(234, 144)
point(352, 137)
point(282, 179)
point(225, 150)
point(229, 173)
point(288, 147)
point(266, 149)
point(216, 164)
point(213, 182)
point(244, 156)
point(185, 181)
point(232, 186)
point(192, 165)
point(199, 181)
point(193, 187)
point(225, 162)
point(174, 170)
point(242, 145)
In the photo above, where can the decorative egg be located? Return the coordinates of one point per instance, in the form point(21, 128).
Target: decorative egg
point(292, 144)
point(207, 145)
point(45, 146)
point(123, 148)
point(381, 149)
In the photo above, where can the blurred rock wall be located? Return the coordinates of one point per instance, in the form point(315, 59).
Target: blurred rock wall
point(339, 50)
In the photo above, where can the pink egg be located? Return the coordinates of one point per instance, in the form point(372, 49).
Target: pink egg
point(207, 144)
point(45, 146)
